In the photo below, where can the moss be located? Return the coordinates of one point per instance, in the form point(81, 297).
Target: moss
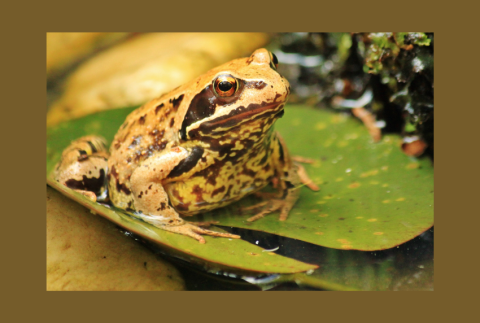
point(397, 67)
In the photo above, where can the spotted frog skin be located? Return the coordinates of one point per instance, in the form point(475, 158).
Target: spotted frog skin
point(202, 146)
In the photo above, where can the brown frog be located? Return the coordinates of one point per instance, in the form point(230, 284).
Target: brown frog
point(202, 146)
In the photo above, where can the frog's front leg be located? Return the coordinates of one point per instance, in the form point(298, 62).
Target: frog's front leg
point(151, 200)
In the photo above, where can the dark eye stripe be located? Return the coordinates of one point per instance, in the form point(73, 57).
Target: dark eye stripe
point(273, 61)
point(92, 146)
point(202, 106)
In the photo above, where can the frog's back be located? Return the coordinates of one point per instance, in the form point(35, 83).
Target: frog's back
point(147, 130)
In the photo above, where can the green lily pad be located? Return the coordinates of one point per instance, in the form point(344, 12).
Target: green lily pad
point(218, 254)
point(372, 196)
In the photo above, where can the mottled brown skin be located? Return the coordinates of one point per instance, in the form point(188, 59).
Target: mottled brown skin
point(204, 145)
point(83, 167)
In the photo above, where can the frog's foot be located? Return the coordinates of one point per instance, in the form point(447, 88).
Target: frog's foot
point(177, 225)
point(305, 179)
point(194, 231)
point(271, 206)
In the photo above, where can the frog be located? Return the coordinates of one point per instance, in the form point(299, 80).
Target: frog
point(202, 146)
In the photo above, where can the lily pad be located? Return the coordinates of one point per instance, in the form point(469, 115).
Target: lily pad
point(372, 196)
point(218, 254)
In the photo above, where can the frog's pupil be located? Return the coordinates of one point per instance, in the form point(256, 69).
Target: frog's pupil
point(225, 86)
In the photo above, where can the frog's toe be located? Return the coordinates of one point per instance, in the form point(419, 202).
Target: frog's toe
point(204, 224)
point(191, 233)
point(272, 206)
point(267, 198)
point(254, 206)
point(195, 232)
point(305, 179)
point(214, 233)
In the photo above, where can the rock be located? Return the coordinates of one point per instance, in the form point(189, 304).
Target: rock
point(64, 50)
point(87, 252)
point(146, 66)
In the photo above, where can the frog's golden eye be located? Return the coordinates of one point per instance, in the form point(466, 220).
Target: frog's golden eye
point(273, 61)
point(225, 85)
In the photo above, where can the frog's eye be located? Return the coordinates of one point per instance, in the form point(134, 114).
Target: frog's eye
point(273, 61)
point(225, 85)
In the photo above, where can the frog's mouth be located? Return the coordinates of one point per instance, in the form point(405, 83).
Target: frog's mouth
point(280, 113)
point(242, 115)
point(239, 116)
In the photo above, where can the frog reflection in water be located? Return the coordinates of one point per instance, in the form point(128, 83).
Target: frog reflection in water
point(202, 146)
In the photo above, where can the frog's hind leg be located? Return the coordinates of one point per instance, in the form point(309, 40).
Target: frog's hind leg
point(83, 167)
